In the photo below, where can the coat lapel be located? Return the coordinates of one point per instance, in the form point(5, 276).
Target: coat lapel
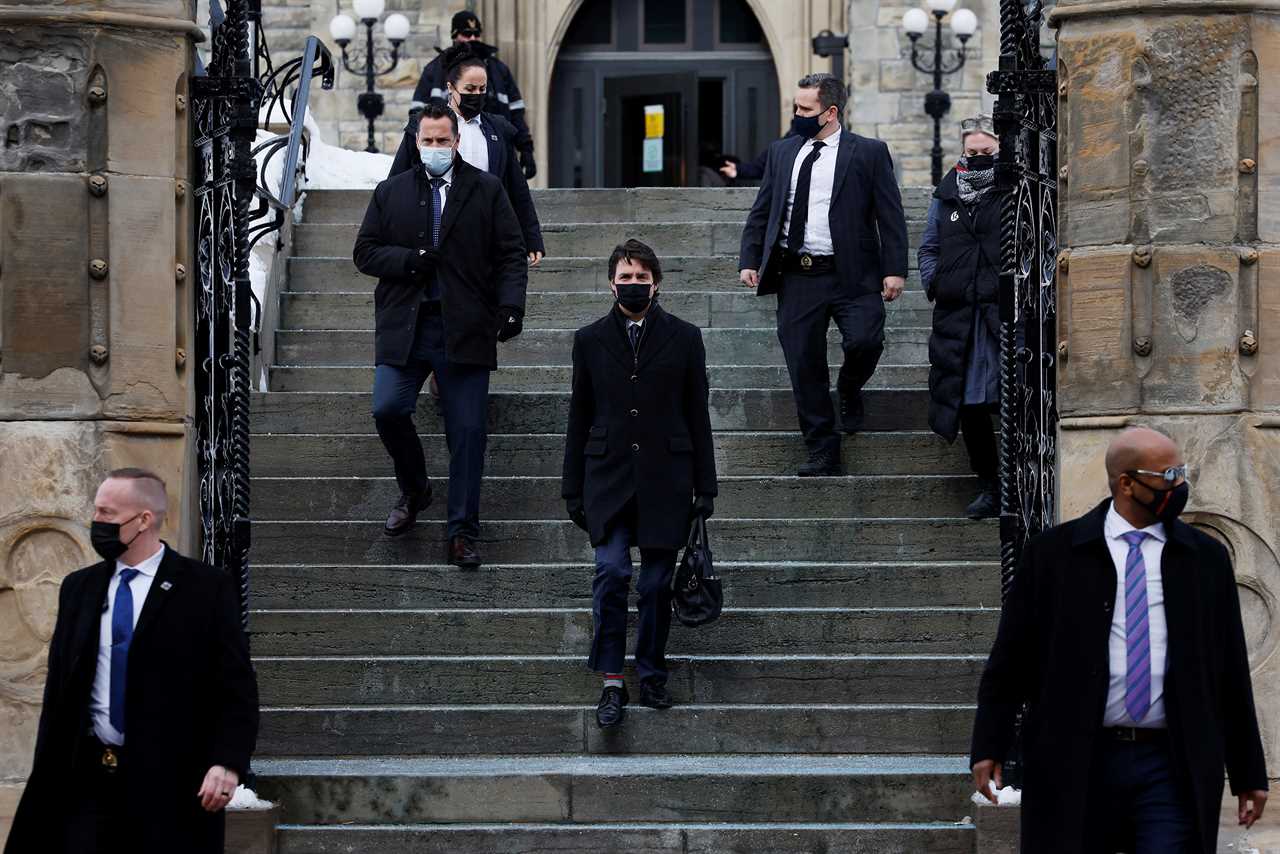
point(92, 602)
point(1179, 564)
point(494, 142)
point(612, 332)
point(844, 155)
point(459, 194)
point(786, 165)
point(657, 336)
point(162, 587)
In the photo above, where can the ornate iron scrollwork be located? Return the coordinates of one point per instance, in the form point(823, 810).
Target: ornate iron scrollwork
point(1027, 177)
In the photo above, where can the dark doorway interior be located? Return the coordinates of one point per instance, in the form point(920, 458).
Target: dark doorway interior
point(634, 158)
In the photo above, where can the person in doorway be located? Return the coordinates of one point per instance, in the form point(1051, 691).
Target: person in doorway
point(1133, 708)
point(638, 465)
point(150, 708)
point(446, 247)
point(502, 95)
point(827, 234)
point(960, 271)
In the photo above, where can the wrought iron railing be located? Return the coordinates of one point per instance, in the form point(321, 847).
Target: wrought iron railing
point(226, 101)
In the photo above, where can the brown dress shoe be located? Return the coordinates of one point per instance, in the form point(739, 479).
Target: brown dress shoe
point(405, 513)
point(462, 552)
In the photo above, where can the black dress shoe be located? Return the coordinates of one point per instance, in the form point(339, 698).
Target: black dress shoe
point(612, 708)
point(406, 511)
point(463, 552)
point(852, 413)
point(987, 504)
point(654, 694)
point(821, 464)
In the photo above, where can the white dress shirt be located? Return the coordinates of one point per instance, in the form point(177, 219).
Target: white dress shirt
point(817, 228)
point(100, 698)
point(1152, 552)
point(473, 146)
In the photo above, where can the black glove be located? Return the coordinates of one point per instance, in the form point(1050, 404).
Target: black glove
point(576, 513)
point(704, 506)
point(510, 322)
point(423, 265)
point(528, 164)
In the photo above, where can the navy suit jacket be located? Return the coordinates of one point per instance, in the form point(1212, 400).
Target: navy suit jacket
point(500, 135)
point(868, 228)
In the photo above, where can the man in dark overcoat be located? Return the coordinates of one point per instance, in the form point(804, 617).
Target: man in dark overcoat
point(827, 235)
point(446, 248)
point(638, 465)
point(150, 704)
point(1122, 635)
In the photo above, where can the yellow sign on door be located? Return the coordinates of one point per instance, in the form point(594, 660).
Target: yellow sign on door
point(654, 121)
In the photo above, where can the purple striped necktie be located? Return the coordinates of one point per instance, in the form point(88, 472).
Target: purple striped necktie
point(1137, 630)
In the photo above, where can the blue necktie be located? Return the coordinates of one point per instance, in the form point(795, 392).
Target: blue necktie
point(437, 207)
point(121, 637)
point(1137, 630)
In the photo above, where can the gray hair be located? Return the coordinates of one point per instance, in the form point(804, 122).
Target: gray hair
point(831, 92)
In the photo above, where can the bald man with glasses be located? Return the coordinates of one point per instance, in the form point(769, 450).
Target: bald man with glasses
point(1122, 636)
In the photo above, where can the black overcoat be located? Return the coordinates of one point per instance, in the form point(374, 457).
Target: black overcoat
point(966, 281)
point(191, 702)
point(499, 136)
point(868, 227)
point(639, 426)
point(481, 263)
point(1051, 651)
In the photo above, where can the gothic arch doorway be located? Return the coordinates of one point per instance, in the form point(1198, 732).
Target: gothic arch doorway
point(649, 92)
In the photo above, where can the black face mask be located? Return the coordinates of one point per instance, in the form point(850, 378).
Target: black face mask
point(1168, 504)
point(470, 104)
point(980, 162)
point(105, 537)
point(634, 297)
point(806, 127)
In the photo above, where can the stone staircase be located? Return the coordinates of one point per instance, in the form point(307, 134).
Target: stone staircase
point(412, 707)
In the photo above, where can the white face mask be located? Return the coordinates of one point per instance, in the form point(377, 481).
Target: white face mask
point(436, 160)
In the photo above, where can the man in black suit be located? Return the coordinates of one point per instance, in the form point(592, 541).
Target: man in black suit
point(638, 465)
point(1122, 635)
point(150, 704)
point(446, 248)
point(828, 236)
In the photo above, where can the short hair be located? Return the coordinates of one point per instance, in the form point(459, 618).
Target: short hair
point(458, 58)
point(635, 252)
point(433, 109)
point(831, 92)
point(149, 486)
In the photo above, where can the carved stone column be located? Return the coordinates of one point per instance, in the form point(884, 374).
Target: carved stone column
point(95, 302)
point(1169, 277)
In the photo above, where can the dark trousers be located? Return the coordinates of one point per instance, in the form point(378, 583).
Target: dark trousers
point(609, 603)
point(807, 303)
point(980, 441)
point(464, 395)
point(96, 819)
point(1136, 804)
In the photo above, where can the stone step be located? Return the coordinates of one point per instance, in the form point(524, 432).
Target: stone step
point(435, 730)
point(646, 204)
point(530, 498)
point(633, 838)
point(579, 239)
point(778, 584)
point(542, 454)
point(903, 346)
point(561, 309)
point(585, 275)
point(592, 789)
point(532, 680)
point(567, 631)
point(547, 412)
point(558, 377)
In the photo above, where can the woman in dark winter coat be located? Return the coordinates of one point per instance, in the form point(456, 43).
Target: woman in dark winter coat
point(959, 259)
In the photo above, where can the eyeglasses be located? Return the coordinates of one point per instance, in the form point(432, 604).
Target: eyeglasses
point(1170, 475)
point(471, 34)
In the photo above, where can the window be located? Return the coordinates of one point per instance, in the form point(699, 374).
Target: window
point(592, 25)
point(666, 22)
point(738, 24)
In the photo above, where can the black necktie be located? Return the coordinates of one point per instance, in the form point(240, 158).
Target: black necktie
point(633, 331)
point(800, 204)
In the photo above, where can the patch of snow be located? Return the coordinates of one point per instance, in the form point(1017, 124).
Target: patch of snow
point(247, 799)
point(1006, 797)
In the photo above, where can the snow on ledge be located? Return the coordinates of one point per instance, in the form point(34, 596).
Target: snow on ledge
point(247, 799)
point(1006, 797)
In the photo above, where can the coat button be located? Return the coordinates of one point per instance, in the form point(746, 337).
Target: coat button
point(635, 447)
point(635, 412)
point(634, 378)
point(422, 234)
point(422, 204)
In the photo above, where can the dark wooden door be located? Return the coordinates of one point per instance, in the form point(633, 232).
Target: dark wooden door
point(631, 159)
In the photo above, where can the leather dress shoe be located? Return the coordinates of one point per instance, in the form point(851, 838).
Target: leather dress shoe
point(852, 413)
point(987, 504)
point(463, 552)
point(654, 694)
point(821, 464)
point(612, 708)
point(405, 513)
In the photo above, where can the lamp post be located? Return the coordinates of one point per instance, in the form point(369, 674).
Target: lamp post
point(938, 102)
point(343, 30)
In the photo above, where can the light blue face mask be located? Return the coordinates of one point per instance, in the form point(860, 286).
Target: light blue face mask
point(436, 160)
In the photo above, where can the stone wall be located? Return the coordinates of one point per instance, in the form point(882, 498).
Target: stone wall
point(94, 317)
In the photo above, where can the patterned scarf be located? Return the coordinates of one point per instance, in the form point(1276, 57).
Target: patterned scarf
point(972, 184)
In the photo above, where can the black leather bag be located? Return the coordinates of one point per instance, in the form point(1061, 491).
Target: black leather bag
point(697, 594)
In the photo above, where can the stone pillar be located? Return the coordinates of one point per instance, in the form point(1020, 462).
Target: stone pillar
point(96, 279)
point(1169, 275)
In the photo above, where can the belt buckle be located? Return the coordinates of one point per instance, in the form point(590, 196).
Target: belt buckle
point(110, 759)
point(1126, 733)
point(806, 260)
